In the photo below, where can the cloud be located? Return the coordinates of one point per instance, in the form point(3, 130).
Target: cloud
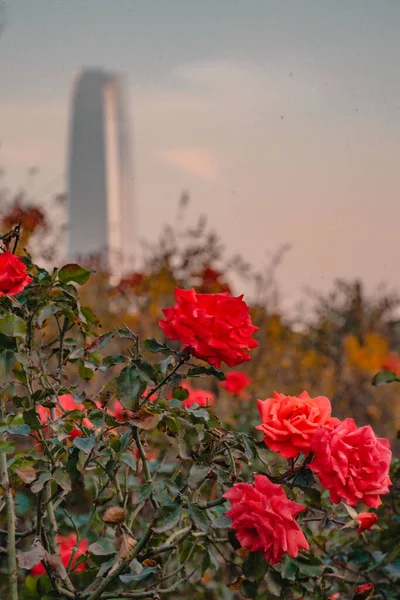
point(197, 161)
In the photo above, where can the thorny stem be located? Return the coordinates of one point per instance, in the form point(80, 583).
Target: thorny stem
point(106, 581)
point(181, 361)
point(143, 457)
point(11, 522)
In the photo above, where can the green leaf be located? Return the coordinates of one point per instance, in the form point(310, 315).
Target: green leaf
point(7, 361)
point(153, 346)
point(135, 577)
point(86, 444)
point(61, 477)
point(179, 393)
point(166, 518)
point(199, 371)
point(309, 566)
point(103, 547)
point(249, 588)
point(128, 459)
point(129, 386)
point(305, 478)
point(20, 430)
point(199, 517)
point(384, 377)
point(274, 583)
point(111, 361)
point(197, 474)
point(221, 523)
point(85, 372)
point(141, 492)
point(289, 568)
point(255, 566)
point(7, 447)
point(12, 326)
point(101, 341)
point(75, 273)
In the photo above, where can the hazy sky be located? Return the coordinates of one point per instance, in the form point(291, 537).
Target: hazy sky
point(281, 118)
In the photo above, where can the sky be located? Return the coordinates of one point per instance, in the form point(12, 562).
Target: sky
point(280, 118)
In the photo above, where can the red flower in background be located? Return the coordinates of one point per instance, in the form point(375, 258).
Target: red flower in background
point(363, 591)
point(213, 327)
point(199, 397)
point(265, 519)
point(235, 382)
point(352, 463)
point(289, 422)
point(67, 544)
point(366, 520)
point(120, 413)
point(68, 404)
point(392, 363)
point(13, 275)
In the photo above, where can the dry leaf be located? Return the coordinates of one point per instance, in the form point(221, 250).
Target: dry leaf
point(26, 473)
point(56, 566)
point(114, 514)
point(144, 419)
point(242, 552)
point(235, 585)
point(124, 544)
point(149, 562)
point(36, 554)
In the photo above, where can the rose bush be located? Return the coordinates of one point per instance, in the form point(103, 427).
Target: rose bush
point(153, 496)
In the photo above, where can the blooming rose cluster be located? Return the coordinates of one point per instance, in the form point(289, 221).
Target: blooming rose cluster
point(351, 462)
point(265, 519)
point(213, 327)
point(13, 275)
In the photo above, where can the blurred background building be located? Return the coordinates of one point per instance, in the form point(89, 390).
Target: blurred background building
point(100, 171)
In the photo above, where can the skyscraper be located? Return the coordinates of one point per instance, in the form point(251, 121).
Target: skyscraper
point(100, 180)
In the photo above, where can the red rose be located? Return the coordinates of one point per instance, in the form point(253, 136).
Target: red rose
point(265, 519)
point(363, 591)
point(235, 382)
point(366, 520)
point(68, 404)
point(199, 397)
point(213, 327)
point(13, 275)
point(352, 463)
point(289, 422)
point(67, 544)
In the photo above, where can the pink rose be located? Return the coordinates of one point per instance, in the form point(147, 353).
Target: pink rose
point(289, 422)
point(352, 463)
point(13, 275)
point(265, 519)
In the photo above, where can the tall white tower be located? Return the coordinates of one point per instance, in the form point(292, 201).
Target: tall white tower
point(100, 178)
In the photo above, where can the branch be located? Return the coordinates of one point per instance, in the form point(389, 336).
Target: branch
point(11, 522)
point(105, 582)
